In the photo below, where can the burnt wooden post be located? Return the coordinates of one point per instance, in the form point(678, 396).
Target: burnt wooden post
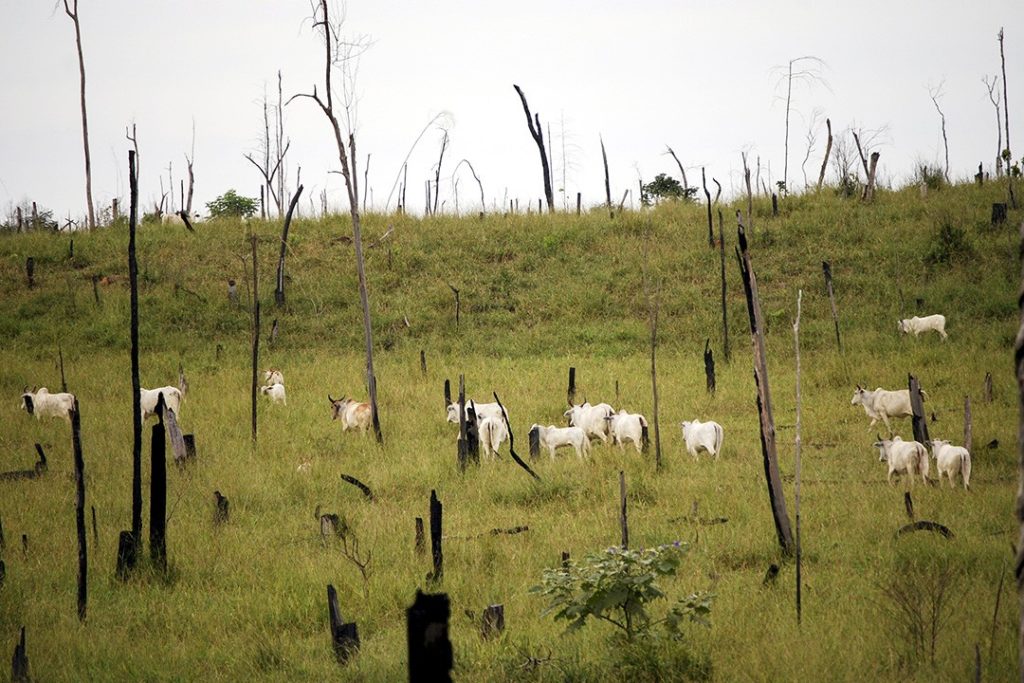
point(447, 393)
point(725, 315)
point(19, 220)
point(435, 538)
point(420, 540)
point(255, 337)
point(423, 363)
point(998, 213)
point(190, 446)
point(776, 495)
point(565, 559)
point(623, 519)
point(344, 637)
point(775, 205)
point(158, 491)
point(429, 650)
point(988, 387)
point(920, 424)
point(35, 216)
point(709, 366)
point(908, 504)
point(131, 558)
point(579, 199)
point(463, 443)
point(114, 210)
point(968, 427)
point(534, 437)
point(493, 621)
point(126, 554)
point(570, 394)
point(83, 563)
point(826, 268)
point(707, 194)
point(222, 508)
point(279, 288)
point(96, 289)
point(19, 662)
point(3, 573)
point(273, 332)
point(176, 438)
point(472, 434)
point(95, 533)
point(30, 267)
point(60, 356)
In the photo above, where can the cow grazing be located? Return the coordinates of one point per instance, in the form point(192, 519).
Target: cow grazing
point(275, 392)
point(703, 436)
point(881, 404)
point(42, 403)
point(593, 420)
point(929, 323)
point(951, 460)
point(148, 399)
point(482, 410)
point(625, 426)
point(492, 432)
point(903, 457)
point(552, 437)
point(353, 414)
point(273, 376)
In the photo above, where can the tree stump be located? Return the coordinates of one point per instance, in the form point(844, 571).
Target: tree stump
point(436, 552)
point(709, 366)
point(19, 663)
point(429, 649)
point(222, 508)
point(998, 213)
point(420, 538)
point(493, 622)
point(344, 636)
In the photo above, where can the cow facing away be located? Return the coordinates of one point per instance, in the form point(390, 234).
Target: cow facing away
point(492, 432)
point(703, 436)
point(353, 414)
point(273, 376)
point(929, 323)
point(593, 420)
point(881, 404)
point(148, 399)
point(952, 460)
point(903, 457)
point(482, 410)
point(552, 438)
point(625, 426)
point(275, 392)
point(41, 403)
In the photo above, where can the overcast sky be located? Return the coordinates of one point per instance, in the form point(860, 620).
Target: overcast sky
point(696, 76)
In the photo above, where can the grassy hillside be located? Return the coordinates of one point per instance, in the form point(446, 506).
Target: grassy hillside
point(538, 294)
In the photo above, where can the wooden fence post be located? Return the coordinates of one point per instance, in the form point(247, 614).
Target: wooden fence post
point(623, 519)
point(19, 663)
point(420, 540)
point(83, 563)
point(344, 637)
point(436, 552)
point(127, 560)
point(998, 213)
point(798, 445)
point(826, 267)
point(429, 650)
point(579, 199)
point(920, 424)
point(462, 446)
point(968, 427)
point(423, 363)
point(158, 491)
point(570, 395)
point(709, 366)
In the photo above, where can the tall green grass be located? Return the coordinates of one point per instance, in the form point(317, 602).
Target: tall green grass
point(539, 293)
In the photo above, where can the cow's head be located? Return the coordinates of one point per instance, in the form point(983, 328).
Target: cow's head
point(901, 325)
point(453, 413)
point(883, 448)
point(858, 396)
point(27, 400)
point(337, 405)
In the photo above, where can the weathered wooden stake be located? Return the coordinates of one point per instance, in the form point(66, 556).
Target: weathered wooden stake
point(96, 289)
point(190, 446)
point(158, 491)
point(472, 434)
point(83, 563)
point(255, 337)
point(429, 650)
point(493, 621)
point(775, 205)
point(920, 424)
point(826, 267)
point(3, 542)
point(423, 363)
point(709, 366)
point(126, 555)
point(988, 387)
point(420, 539)
point(344, 637)
point(623, 519)
point(570, 395)
point(19, 663)
point(435, 538)
point(60, 356)
point(447, 393)
point(968, 427)
point(24, 544)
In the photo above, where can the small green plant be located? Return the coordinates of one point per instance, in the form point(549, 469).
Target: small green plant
point(232, 204)
point(616, 586)
point(930, 176)
point(666, 187)
point(950, 245)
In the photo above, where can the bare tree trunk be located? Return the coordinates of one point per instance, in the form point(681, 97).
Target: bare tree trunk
point(537, 133)
point(682, 171)
point(828, 150)
point(83, 561)
point(1006, 117)
point(255, 336)
point(711, 228)
point(280, 146)
point(279, 290)
point(725, 315)
point(133, 285)
point(1018, 353)
point(73, 14)
point(437, 175)
point(797, 446)
point(750, 194)
point(935, 94)
point(607, 182)
point(366, 180)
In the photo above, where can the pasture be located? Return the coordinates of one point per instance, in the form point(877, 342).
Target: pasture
point(246, 600)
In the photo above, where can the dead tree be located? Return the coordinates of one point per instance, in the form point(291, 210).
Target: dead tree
point(255, 339)
point(189, 160)
point(607, 181)
point(344, 636)
point(279, 289)
point(342, 54)
point(131, 556)
point(798, 442)
point(935, 94)
point(269, 174)
point(707, 194)
point(437, 172)
point(809, 74)
point(682, 171)
point(483, 205)
point(72, 12)
point(828, 150)
point(1007, 154)
point(83, 561)
point(1018, 355)
point(773, 479)
point(869, 170)
point(725, 314)
point(750, 194)
point(430, 655)
point(918, 421)
point(537, 133)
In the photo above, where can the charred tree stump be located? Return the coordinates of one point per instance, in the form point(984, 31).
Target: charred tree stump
point(462, 447)
point(919, 422)
point(988, 387)
point(565, 559)
point(725, 315)
point(131, 558)
point(176, 438)
point(429, 650)
point(579, 200)
point(83, 562)
point(126, 555)
point(423, 363)
point(998, 213)
point(436, 552)
point(420, 539)
point(359, 485)
point(24, 545)
point(623, 518)
point(775, 205)
point(570, 394)
point(534, 437)
point(190, 446)
point(707, 194)
point(447, 394)
point(344, 636)
point(472, 434)
point(709, 366)
point(512, 441)
point(908, 503)
point(19, 662)
point(826, 268)
point(30, 268)
point(222, 509)
point(158, 492)
point(493, 622)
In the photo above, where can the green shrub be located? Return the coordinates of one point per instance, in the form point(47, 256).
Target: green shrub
point(950, 245)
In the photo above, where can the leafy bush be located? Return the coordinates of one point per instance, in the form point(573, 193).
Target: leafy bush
point(931, 177)
point(232, 204)
point(665, 187)
point(950, 245)
point(616, 585)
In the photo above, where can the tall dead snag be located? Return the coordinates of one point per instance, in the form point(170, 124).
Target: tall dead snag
point(798, 442)
point(131, 556)
point(828, 150)
point(339, 53)
point(935, 94)
point(918, 420)
point(158, 491)
point(750, 194)
point(1018, 357)
point(344, 636)
point(537, 133)
point(255, 340)
point(826, 268)
point(682, 171)
point(776, 496)
point(709, 366)
point(725, 315)
point(711, 229)
point(653, 305)
point(279, 289)
point(19, 662)
point(436, 551)
point(607, 181)
point(83, 561)
point(869, 170)
point(72, 12)
point(1007, 154)
point(437, 175)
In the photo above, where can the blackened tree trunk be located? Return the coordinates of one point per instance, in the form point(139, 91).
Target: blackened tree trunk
point(255, 337)
point(607, 181)
point(133, 284)
point(828, 150)
point(725, 314)
point(1018, 357)
point(83, 561)
point(537, 133)
point(279, 290)
point(711, 229)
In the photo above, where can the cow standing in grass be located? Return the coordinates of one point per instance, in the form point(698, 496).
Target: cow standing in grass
point(353, 414)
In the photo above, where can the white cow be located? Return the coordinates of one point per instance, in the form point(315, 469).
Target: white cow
point(353, 414)
point(625, 426)
point(903, 457)
point(951, 460)
point(148, 399)
point(275, 392)
point(492, 433)
point(593, 420)
point(881, 404)
point(936, 323)
point(174, 218)
point(482, 410)
point(552, 437)
point(273, 376)
point(703, 436)
point(42, 403)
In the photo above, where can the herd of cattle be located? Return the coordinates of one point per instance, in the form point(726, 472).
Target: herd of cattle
point(598, 422)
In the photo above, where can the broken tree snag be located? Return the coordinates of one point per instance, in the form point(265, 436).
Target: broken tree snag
point(83, 562)
point(623, 519)
point(925, 525)
point(828, 150)
point(133, 288)
point(158, 492)
point(920, 424)
point(709, 366)
point(420, 539)
point(534, 437)
point(190, 446)
point(30, 268)
point(429, 649)
point(436, 552)
point(750, 193)
point(447, 393)
point(537, 133)
point(725, 315)
point(570, 394)
point(775, 205)
point(222, 508)
point(908, 503)
point(279, 289)
point(998, 213)
point(126, 555)
point(359, 485)
point(826, 268)
point(773, 479)
point(472, 434)
point(463, 444)
point(255, 338)
point(869, 188)
point(607, 182)
point(344, 637)
point(988, 387)
point(493, 621)
point(176, 438)
point(19, 662)
point(423, 364)
point(511, 439)
point(707, 193)
point(565, 559)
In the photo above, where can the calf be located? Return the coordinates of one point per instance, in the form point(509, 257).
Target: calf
point(148, 399)
point(352, 413)
point(593, 420)
point(881, 404)
point(951, 460)
point(42, 403)
point(552, 437)
point(275, 392)
point(492, 432)
point(903, 457)
point(703, 436)
point(625, 426)
point(273, 376)
point(929, 323)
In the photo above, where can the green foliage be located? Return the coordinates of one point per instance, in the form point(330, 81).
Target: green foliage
point(232, 204)
point(950, 244)
point(666, 187)
point(930, 176)
point(616, 586)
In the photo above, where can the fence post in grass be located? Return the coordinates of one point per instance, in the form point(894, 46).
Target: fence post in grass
point(429, 650)
point(988, 387)
point(222, 508)
point(255, 337)
point(775, 205)
point(158, 491)
point(998, 213)
point(420, 540)
point(709, 366)
point(344, 637)
point(436, 553)
point(472, 434)
point(565, 559)
point(96, 289)
point(95, 532)
point(968, 426)
point(126, 560)
point(24, 545)
point(423, 364)
point(3, 573)
point(493, 621)
point(776, 495)
point(623, 519)
point(920, 424)
point(570, 395)
point(579, 199)
point(447, 393)
point(83, 563)
point(826, 267)
point(30, 268)
point(458, 305)
point(19, 663)
point(798, 443)
point(463, 443)
point(534, 437)
point(126, 554)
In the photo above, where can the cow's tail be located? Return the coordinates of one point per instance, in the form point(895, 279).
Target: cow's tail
point(965, 469)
